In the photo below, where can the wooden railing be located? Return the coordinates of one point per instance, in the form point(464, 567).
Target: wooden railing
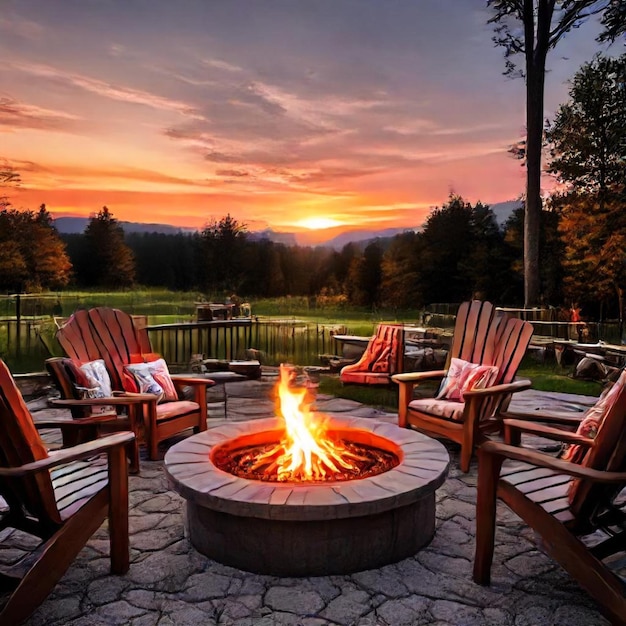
point(277, 341)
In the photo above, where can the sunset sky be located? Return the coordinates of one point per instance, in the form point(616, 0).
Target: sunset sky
point(358, 113)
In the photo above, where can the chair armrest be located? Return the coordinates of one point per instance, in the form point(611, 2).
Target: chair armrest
point(416, 377)
point(545, 460)
point(64, 423)
point(182, 381)
point(550, 432)
point(119, 400)
point(59, 457)
point(548, 416)
point(515, 386)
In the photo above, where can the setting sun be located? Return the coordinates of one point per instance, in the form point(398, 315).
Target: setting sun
point(318, 223)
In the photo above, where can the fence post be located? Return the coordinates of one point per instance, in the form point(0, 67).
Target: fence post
point(18, 318)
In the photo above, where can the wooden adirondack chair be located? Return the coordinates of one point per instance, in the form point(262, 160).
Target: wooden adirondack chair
point(482, 337)
point(382, 358)
point(564, 500)
point(61, 497)
point(111, 335)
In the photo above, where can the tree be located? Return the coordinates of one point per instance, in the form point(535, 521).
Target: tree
point(462, 253)
point(588, 150)
point(401, 274)
point(32, 254)
point(223, 246)
point(532, 28)
point(587, 138)
point(364, 276)
point(594, 236)
point(550, 251)
point(9, 177)
point(111, 262)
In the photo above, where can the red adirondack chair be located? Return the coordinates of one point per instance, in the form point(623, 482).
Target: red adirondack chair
point(381, 360)
point(564, 499)
point(61, 497)
point(487, 348)
point(113, 336)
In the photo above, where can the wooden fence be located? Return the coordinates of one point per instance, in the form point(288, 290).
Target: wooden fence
point(26, 345)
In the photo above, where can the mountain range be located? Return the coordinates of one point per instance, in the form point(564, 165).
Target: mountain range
point(335, 237)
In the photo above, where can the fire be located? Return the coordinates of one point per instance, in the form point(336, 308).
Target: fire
point(305, 452)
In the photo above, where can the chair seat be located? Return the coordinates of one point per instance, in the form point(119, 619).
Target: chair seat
point(446, 409)
point(169, 410)
point(545, 487)
point(75, 483)
point(365, 378)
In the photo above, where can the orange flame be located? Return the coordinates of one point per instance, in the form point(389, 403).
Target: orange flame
point(305, 452)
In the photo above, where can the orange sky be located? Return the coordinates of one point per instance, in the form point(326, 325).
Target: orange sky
point(356, 113)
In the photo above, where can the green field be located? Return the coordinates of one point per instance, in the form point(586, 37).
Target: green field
point(163, 306)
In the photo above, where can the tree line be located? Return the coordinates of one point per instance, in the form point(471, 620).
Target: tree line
point(460, 252)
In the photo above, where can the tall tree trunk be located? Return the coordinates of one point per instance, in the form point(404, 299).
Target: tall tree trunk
point(537, 28)
point(532, 215)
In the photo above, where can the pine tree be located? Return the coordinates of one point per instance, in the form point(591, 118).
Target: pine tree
point(111, 263)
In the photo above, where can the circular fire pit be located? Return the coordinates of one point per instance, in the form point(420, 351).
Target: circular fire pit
point(309, 529)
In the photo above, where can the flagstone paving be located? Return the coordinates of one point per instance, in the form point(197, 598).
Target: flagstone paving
point(169, 583)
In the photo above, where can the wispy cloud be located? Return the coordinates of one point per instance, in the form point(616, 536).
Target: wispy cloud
point(16, 115)
point(108, 90)
point(27, 29)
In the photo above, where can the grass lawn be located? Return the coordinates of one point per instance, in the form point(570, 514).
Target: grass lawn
point(545, 377)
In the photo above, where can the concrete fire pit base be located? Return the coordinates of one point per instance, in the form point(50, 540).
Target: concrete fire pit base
point(287, 529)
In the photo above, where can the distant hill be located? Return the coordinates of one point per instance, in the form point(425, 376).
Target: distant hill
point(358, 236)
point(289, 239)
point(77, 225)
point(504, 210)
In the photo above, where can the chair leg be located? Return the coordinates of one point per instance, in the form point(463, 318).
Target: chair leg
point(153, 446)
point(118, 511)
point(135, 412)
point(405, 393)
point(469, 439)
point(488, 475)
point(133, 456)
point(466, 456)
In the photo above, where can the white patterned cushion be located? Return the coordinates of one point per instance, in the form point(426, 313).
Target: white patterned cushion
point(463, 376)
point(448, 409)
point(154, 377)
point(98, 377)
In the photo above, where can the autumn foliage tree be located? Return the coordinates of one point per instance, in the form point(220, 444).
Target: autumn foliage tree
point(588, 150)
point(32, 254)
point(594, 237)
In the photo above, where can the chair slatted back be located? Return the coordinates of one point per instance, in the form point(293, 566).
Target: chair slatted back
point(104, 333)
point(384, 351)
point(389, 353)
point(20, 443)
point(473, 333)
point(607, 453)
point(513, 337)
point(489, 337)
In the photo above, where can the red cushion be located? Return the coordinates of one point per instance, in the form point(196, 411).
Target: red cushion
point(129, 382)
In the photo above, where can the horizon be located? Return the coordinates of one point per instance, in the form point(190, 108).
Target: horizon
point(305, 118)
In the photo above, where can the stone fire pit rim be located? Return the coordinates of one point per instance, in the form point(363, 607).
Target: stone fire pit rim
point(192, 474)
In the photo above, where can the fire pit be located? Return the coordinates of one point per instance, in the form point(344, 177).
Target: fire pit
point(311, 516)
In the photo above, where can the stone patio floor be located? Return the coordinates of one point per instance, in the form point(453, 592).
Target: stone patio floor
point(169, 583)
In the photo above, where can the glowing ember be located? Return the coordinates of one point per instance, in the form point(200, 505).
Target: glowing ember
point(308, 447)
